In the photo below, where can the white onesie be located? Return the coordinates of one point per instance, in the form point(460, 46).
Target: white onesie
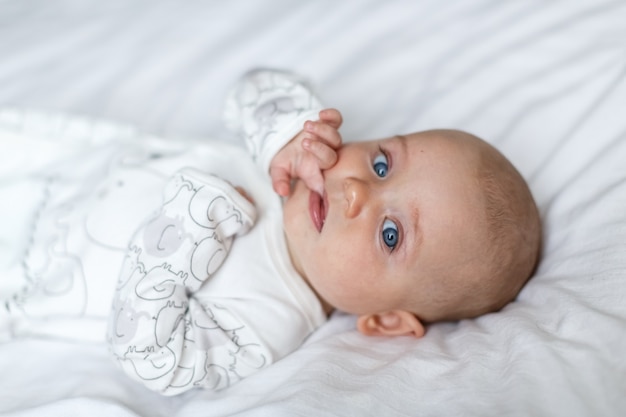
point(183, 314)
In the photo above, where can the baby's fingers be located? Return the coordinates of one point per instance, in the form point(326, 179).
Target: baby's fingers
point(332, 117)
point(315, 181)
point(325, 132)
point(325, 155)
point(281, 181)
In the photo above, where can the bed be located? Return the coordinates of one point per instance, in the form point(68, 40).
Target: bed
point(543, 81)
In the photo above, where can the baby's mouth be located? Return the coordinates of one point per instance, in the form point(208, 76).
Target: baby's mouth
point(318, 208)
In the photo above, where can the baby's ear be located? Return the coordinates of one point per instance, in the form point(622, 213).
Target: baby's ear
point(390, 323)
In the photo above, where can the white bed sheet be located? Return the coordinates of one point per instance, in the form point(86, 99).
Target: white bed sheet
point(543, 81)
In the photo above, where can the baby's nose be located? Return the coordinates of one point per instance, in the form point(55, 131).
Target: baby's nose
point(356, 192)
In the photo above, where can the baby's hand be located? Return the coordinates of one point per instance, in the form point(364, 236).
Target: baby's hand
point(307, 154)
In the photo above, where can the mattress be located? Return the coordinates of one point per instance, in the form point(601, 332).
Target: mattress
point(544, 82)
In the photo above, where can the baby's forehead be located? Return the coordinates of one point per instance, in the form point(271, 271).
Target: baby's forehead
point(445, 150)
point(445, 139)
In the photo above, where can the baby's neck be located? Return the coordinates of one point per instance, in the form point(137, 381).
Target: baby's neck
point(328, 309)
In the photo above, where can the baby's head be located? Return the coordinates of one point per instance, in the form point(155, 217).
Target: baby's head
point(415, 229)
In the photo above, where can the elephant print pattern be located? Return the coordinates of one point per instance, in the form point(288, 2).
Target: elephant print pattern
point(158, 332)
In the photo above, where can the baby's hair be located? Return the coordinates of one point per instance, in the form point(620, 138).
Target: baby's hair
point(513, 225)
point(506, 257)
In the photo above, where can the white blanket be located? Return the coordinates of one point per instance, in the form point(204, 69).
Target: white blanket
point(542, 81)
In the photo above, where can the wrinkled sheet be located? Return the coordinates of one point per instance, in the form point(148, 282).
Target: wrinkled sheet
point(542, 81)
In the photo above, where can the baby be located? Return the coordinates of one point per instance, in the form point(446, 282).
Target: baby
point(404, 231)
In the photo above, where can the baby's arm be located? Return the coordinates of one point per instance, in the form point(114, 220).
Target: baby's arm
point(159, 333)
point(269, 109)
point(308, 153)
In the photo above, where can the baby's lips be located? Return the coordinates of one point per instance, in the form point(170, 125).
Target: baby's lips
point(325, 206)
point(317, 210)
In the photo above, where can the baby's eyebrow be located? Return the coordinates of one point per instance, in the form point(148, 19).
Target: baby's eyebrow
point(416, 230)
point(402, 140)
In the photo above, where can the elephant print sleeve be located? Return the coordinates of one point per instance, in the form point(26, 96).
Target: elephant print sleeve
point(160, 334)
point(268, 108)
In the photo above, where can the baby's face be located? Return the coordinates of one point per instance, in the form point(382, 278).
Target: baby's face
point(394, 212)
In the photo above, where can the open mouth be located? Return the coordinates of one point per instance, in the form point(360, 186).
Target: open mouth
point(318, 208)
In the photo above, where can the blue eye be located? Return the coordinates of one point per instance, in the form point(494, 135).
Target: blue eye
point(390, 234)
point(381, 165)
